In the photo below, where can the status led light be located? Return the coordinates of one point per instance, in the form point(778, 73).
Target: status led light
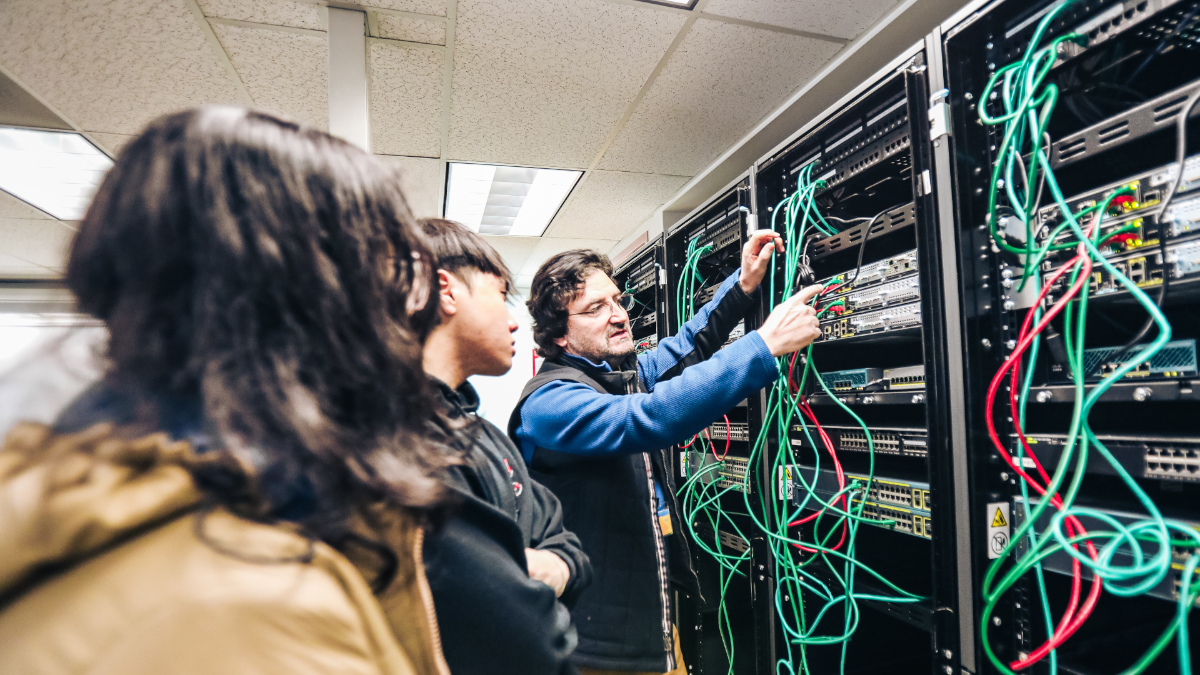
point(53, 170)
point(506, 200)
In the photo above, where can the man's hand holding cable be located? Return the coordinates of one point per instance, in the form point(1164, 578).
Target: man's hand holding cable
point(756, 258)
point(792, 325)
point(548, 568)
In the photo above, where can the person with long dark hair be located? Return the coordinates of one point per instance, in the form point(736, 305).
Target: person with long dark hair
point(246, 488)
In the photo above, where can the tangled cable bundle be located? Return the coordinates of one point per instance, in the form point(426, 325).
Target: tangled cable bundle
point(1027, 102)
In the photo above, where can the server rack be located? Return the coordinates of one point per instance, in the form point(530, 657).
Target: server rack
point(716, 461)
point(642, 278)
point(1122, 84)
point(883, 355)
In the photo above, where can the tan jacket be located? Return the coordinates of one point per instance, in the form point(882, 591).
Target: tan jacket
point(103, 570)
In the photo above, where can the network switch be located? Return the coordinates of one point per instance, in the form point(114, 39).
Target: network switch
point(737, 431)
point(857, 379)
point(884, 295)
point(910, 377)
point(870, 323)
point(729, 474)
point(1061, 563)
point(1175, 458)
point(905, 504)
point(720, 232)
point(1145, 270)
point(889, 269)
point(1177, 359)
point(907, 441)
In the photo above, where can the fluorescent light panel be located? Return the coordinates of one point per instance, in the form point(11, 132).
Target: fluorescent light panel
point(55, 171)
point(506, 200)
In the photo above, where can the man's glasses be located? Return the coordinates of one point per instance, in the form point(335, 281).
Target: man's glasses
point(608, 307)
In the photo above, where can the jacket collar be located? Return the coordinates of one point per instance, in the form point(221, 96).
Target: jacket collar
point(462, 401)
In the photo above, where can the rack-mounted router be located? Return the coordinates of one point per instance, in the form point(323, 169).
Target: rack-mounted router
point(1176, 360)
point(889, 269)
point(871, 323)
point(1152, 457)
point(905, 503)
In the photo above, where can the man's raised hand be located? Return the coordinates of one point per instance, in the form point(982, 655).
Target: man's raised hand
point(792, 325)
point(756, 258)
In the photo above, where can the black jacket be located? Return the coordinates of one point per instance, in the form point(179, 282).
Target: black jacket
point(609, 502)
point(493, 617)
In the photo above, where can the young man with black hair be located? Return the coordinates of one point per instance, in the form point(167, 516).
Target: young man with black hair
point(594, 424)
point(497, 566)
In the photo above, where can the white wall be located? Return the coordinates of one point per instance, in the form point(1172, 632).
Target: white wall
point(498, 395)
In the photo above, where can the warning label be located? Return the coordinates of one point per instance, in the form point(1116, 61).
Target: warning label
point(997, 528)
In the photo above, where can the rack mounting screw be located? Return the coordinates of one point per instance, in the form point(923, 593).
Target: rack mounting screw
point(1003, 475)
point(918, 398)
point(948, 654)
point(1009, 305)
point(1011, 344)
point(995, 621)
point(868, 399)
point(1142, 393)
point(1045, 395)
point(987, 344)
point(948, 670)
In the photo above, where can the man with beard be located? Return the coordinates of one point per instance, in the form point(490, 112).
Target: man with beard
point(594, 423)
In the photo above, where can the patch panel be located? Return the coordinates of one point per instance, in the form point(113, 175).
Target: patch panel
point(738, 431)
point(910, 377)
point(720, 232)
point(907, 441)
point(906, 504)
point(889, 269)
point(1177, 359)
point(1060, 563)
point(856, 379)
point(1175, 458)
point(646, 280)
point(891, 293)
point(870, 323)
point(899, 217)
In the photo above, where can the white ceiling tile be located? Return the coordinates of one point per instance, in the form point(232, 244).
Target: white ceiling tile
point(608, 205)
point(514, 250)
point(396, 27)
point(286, 72)
point(11, 207)
point(12, 267)
point(433, 7)
point(113, 143)
point(422, 182)
point(551, 246)
point(41, 245)
point(406, 99)
point(844, 18)
point(718, 84)
point(544, 82)
point(270, 12)
point(114, 65)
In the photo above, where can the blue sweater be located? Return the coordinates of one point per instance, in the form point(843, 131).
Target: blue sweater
point(572, 417)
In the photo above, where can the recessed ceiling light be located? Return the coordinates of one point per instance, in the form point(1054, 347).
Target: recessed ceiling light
point(685, 4)
point(512, 200)
point(53, 170)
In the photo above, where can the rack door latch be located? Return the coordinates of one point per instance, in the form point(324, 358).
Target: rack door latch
point(939, 115)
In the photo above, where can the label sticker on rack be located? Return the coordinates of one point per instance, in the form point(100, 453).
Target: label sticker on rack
point(997, 528)
point(785, 483)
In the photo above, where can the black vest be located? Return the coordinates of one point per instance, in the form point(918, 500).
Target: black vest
point(609, 503)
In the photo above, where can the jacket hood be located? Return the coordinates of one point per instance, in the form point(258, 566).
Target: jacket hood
point(65, 496)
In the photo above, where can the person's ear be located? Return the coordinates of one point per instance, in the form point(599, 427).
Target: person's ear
point(447, 302)
point(561, 342)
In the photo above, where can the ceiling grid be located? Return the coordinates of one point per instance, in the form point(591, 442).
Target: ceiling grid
point(638, 96)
